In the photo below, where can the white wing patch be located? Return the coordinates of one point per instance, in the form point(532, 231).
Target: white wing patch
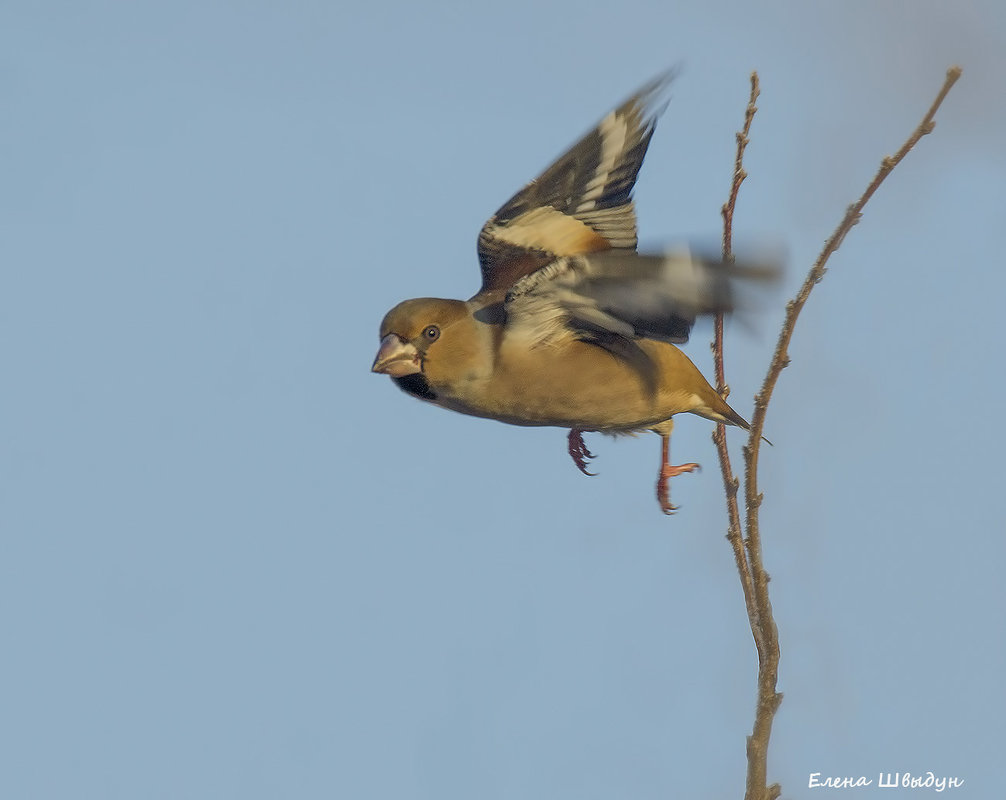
point(551, 231)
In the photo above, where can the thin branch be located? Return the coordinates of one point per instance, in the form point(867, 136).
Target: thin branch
point(758, 609)
point(728, 223)
point(780, 360)
point(768, 669)
point(730, 482)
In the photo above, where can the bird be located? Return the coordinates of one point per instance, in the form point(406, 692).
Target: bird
point(571, 326)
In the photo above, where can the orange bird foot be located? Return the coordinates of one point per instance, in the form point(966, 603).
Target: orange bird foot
point(578, 451)
point(667, 472)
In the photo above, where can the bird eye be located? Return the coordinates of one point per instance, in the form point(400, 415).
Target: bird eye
point(432, 333)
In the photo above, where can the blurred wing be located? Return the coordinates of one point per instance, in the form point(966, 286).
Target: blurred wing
point(582, 203)
point(618, 296)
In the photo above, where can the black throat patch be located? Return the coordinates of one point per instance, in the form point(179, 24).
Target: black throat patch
point(417, 385)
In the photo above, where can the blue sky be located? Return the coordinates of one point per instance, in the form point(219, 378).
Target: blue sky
point(236, 564)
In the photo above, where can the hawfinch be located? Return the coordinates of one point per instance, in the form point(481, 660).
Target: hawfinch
point(571, 326)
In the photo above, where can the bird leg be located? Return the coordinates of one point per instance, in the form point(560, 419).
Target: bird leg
point(668, 471)
point(578, 451)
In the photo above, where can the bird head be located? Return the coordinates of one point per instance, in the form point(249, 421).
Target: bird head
point(415, 336)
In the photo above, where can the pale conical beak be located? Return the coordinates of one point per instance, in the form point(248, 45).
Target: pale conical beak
point(396, 358)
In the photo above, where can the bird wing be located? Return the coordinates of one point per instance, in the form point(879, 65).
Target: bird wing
point(616, 296)
point(582, 203)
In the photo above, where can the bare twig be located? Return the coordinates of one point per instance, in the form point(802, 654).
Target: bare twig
point(758, 609)
point(730, 482)
point(754, 578)
point(728, 222)
point(781, 358)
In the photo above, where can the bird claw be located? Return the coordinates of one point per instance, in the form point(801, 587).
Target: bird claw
point(668, 471)
point(664, 498)
point(578, 452)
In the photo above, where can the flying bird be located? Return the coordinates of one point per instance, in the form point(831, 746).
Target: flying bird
point(572, 327)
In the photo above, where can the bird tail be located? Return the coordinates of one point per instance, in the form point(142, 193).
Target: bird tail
point(728, 416)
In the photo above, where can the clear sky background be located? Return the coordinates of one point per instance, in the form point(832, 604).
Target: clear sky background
point(235, 564)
